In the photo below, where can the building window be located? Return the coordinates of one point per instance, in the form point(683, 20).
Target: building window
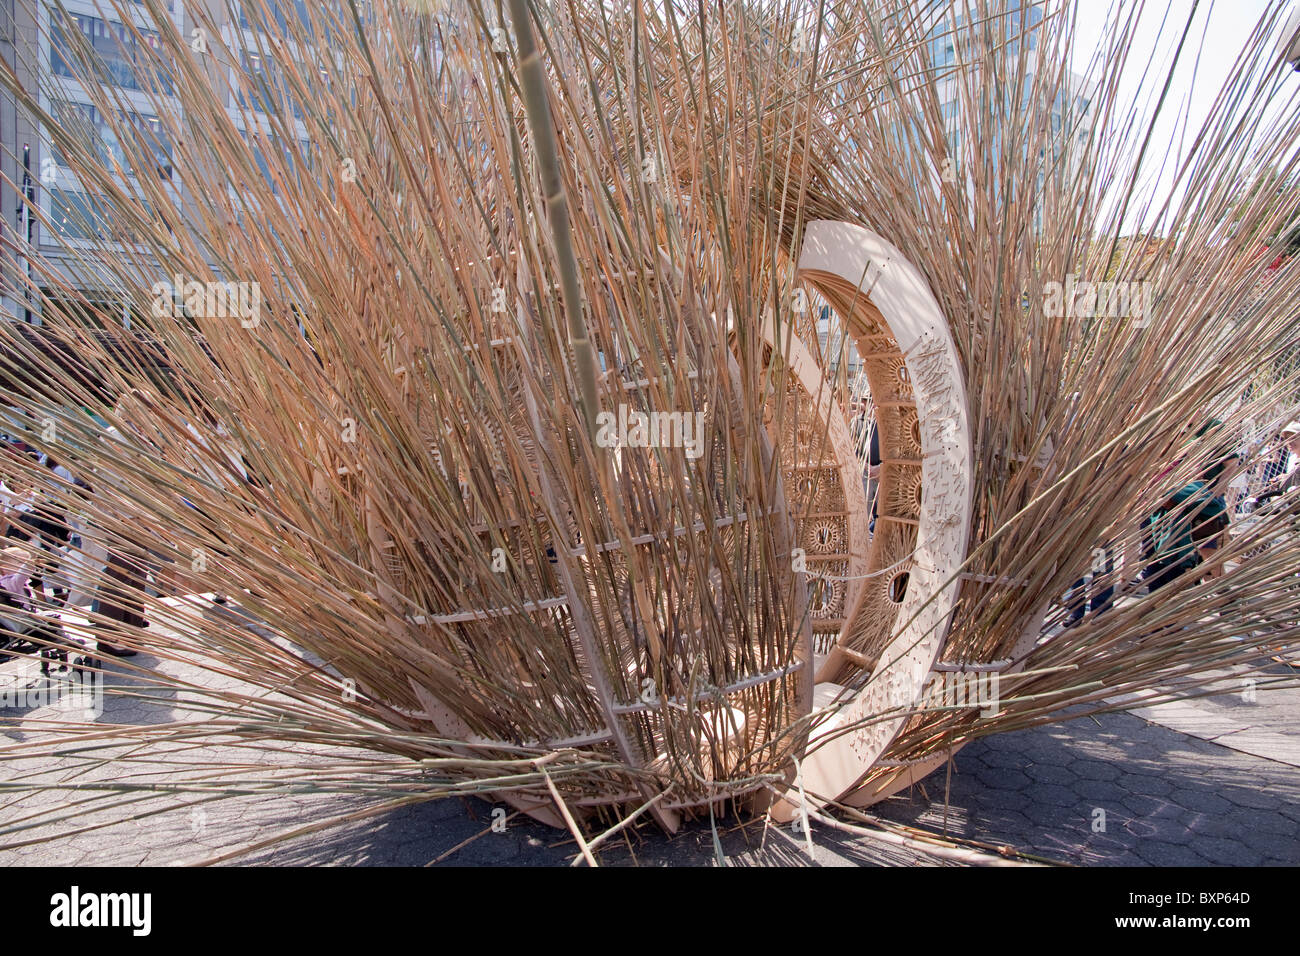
point(121, 60)
point(77, 216)
point(87, 124)
point(266, 90)
point(279, 15)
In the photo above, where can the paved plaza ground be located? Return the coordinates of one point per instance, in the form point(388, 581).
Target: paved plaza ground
point(1204, 781)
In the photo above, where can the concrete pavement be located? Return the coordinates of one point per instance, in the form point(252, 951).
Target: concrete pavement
point(1209, 781)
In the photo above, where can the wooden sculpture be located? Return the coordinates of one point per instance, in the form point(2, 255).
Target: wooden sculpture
point(472, 357)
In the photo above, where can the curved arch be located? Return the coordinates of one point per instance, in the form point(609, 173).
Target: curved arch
point(897, 629)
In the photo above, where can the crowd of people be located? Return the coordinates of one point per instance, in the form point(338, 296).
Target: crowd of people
point(70, 545)
point(1180, 538)
point(57, 557)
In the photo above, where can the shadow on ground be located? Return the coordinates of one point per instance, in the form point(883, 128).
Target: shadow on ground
point(1115, 791)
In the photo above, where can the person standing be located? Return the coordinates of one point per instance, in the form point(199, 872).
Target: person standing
point(1086, 594)
point(119, 603)
point(1274, 466)
point(1286, 476)
point(16, 498)
point(874, 461)
point(48, 521)
point(1179, 531)
point(118, 607)
point(1211, 533)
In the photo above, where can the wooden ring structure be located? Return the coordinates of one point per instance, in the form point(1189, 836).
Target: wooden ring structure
point(894, 635)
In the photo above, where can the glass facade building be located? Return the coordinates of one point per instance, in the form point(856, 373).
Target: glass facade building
point(122, 48)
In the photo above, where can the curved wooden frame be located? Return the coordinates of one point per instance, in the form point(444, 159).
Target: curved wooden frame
point(889, 310)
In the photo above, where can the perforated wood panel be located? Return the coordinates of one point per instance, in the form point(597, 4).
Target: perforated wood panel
point(823, 484)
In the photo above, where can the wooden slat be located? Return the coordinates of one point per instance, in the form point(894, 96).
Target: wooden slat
point(640, 707)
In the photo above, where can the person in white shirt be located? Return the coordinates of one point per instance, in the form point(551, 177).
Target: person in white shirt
point(1290, 477)
point(16, 496)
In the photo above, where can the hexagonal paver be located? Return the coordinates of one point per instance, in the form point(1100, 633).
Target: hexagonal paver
point(1201, 801)
point(1159, 853)
point(1056, 795)
point(1093, 770)
point(1289, 810)
point(1141, 828)
point(1004, 779)
point(1225, 852)
point(1008, 825)
point(1249, 797)
point(1054, 817)
point(1110, 815)
point(1107, 847)
point(1052, 773)
point(1246, 820)
point(1014, 799)
point(1270, 844)
point(1006, 759)
point(970, 759)
point(1046, 754)
point(1099, 791)
point(1143, 806)
point(1141, 783)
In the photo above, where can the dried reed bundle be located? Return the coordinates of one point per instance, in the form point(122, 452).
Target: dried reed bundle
point(412, 404)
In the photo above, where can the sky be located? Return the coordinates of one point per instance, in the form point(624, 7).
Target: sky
point(1220, 31)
